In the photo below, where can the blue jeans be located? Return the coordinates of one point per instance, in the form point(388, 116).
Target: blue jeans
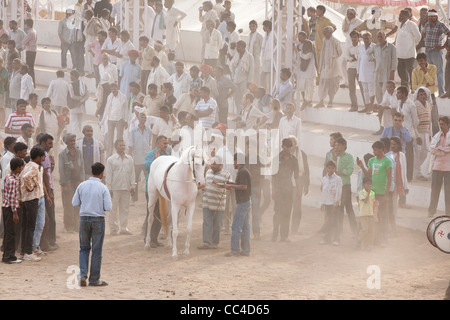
point(40, 222)
point(256, 204)
point(92, 231)
point(240, 229)
point(212, 222)
point(435, 57)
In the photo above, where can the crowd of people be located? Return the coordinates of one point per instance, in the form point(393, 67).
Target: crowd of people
point(150, 105)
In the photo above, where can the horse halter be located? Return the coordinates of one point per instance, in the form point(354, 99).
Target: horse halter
point(193, 163)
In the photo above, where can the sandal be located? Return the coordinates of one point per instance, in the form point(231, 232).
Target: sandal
point(98, 284)
point(205, 246)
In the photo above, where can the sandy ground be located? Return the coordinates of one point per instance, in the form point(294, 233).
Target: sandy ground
point(409, 267)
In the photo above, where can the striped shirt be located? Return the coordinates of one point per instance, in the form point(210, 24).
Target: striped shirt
point(214, 196)
point(16, 121)
point(424, 114)
point(11, 192)
point(203, 105)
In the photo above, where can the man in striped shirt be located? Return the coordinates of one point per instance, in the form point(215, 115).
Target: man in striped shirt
point(17, 119)
point(214, 199)
point(10, 205)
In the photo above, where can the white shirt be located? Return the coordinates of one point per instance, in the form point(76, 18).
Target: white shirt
point(108, 74)
point(173, 31)
point(389, 100)
point(161, 127)
point(158, 76)
point(352, 50)
point(292, 127)
point(213, 46)
point(119, 172)
point(206, 122)
point(51, 123)
point(115, 113)
point(123, 50)
point(57, 92)
point(352, 25)
point(180, 83)
point(366, 64)
point(109, 45)
point(411, 119)
point(26, 86)
point(331, 190)
point(408, 36)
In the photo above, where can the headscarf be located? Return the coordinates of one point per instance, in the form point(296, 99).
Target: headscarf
point(428, 94)
point(347, 22)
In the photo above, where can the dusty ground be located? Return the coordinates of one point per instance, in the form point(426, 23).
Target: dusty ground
point(410, 268)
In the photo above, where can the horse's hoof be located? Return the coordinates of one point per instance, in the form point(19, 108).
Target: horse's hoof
point(175, 257)
point(147, 247)
point(186, 253)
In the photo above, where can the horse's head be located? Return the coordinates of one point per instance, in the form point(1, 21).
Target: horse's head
point(199, 160)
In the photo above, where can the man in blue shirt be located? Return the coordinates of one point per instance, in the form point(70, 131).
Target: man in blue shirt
point(93, 198)
point(398, 130)
point(161, 150)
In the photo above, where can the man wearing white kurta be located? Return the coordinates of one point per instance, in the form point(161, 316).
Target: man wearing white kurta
point(366, 71)
point(408, 36)
point(121, 182)
point(213, 44)
point(158, 27)
point(241, 68)
point(290, 125)
point(180, 80)
point(173, 21)
point(57, 92)
point(254, 45)
point(350, 22)
point(329, 67)
point(158, 75)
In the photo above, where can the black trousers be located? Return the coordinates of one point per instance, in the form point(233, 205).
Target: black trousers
point(405, 68)
point(346, 203)
point(283, 207)
point(30, 58)
point(409, 153)
point(29, 213)
point(9, 236)
point(156, 225)
point(437, 178)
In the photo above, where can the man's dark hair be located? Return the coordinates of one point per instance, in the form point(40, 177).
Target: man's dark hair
point(16, 163)
point(37, 151)
point(378, 145)
point(387, 143)
point(421, 56)
point(336, 135)
point(342, 141)
point(445, 119)
point(45, 99)
point(45, 137)
point(60, 74)
point(19, 146)
point(286, 142)
point(321, 8)
point(26, 126)
point(9, 141)
point(97, 168)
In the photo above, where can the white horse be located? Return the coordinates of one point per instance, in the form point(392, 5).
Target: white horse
point(176, 180)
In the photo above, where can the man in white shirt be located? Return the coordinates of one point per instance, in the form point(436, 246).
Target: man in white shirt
point(408, 37)
point(112, 45)
point(115, 117)
point(206, 109)
point(173, 21)
point(254, 45)
point(251, 117)
point(180, 80)
point(158, 75)
point(213, 44)
point(366, 71)
point(121, 182)
point(290, 125)
point(163, 124)
point(266, 54)
point(158, 26)
point(26, 83)
point(241, 70)
point(57, 91)
point(411, 123)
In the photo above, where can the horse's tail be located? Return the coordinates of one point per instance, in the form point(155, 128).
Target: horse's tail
point(163, 212)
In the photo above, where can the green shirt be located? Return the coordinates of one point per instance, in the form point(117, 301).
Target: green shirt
point(4, 80)
point(379, 173)
point(345, 165)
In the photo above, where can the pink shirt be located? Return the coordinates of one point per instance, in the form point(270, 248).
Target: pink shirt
point(97, 48)
point(442, 160)
point(30, 41)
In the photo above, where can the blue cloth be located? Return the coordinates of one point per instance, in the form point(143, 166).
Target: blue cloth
point(92, 231)
point(240, 229)
point(149, 158)
point(40, 222)
point(403, 134)
point(93, 198)
point(129, 72)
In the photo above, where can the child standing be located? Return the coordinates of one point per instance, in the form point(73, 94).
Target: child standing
point(63, 121)
point(367, 214)
point(9, 210)
point(331, 198)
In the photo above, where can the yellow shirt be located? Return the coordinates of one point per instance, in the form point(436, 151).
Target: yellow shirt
point(366, 208)
point(421, 79)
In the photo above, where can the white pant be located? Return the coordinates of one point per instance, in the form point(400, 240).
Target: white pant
point(120, 209)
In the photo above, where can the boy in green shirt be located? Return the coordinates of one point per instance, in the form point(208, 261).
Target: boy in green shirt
point(380, 171)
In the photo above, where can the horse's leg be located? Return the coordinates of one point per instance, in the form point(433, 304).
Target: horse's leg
point(169, 223)
point(189, 214)
point(152, 199)
point(174, 211)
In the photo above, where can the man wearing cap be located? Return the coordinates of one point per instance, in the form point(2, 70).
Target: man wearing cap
point(129, 72)
point(433, 32)
point(64, 37)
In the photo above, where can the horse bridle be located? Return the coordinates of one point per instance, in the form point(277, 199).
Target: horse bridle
point(193, 169)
